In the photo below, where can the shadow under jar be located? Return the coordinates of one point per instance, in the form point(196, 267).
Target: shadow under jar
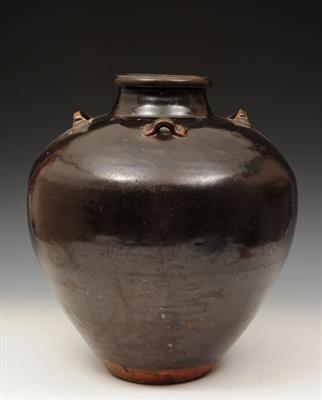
point(161, 226)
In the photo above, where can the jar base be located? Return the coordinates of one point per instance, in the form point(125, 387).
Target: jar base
point(160, 377)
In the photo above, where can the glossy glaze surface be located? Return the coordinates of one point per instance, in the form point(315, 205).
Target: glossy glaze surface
point(161, 247)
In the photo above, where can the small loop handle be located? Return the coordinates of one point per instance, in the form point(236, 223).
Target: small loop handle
point(155, 127)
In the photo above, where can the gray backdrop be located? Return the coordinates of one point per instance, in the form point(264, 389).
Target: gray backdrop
point(57, 59)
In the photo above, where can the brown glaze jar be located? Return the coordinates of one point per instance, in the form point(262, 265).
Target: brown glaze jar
point(161, 226)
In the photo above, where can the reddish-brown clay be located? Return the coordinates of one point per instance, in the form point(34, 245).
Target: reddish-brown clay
point(162, 377)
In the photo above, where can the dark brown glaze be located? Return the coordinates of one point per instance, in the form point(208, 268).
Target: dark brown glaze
point(161, 246)
point(161, 80)
point(163, 377)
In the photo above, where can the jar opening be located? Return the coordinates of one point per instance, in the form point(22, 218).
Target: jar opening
point(161, 80)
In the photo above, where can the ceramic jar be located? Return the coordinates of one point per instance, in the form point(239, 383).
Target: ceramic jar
point(161, 226)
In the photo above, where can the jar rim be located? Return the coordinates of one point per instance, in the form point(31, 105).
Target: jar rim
point(161, 80)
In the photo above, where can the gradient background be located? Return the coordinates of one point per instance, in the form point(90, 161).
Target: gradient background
point(59, 58)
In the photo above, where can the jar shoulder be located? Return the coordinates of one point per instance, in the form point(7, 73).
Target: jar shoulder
point(114, 149)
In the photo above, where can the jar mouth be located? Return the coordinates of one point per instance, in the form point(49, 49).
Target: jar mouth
point(161, 80)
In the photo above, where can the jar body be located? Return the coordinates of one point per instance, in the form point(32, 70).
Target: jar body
point(161, 248)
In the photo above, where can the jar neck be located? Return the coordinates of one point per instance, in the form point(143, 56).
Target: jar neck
point(161, 102)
